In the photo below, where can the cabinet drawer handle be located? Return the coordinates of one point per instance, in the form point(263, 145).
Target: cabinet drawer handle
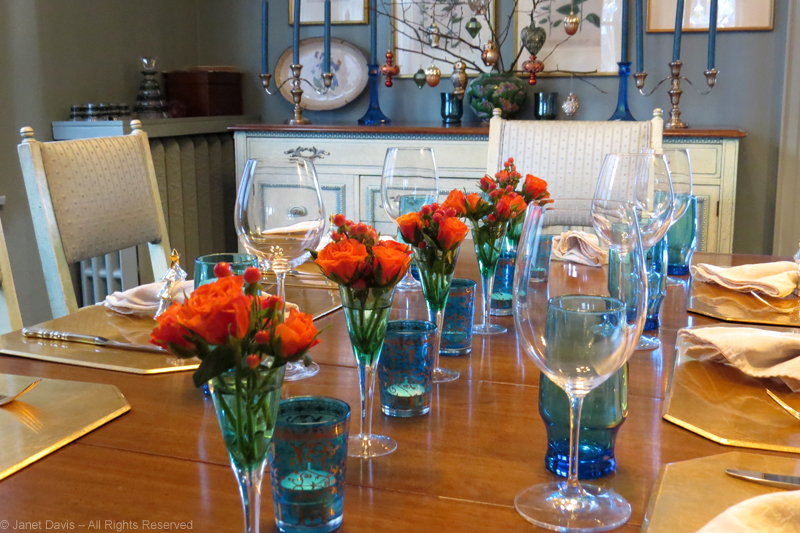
point(298, 211)
point(302, 152)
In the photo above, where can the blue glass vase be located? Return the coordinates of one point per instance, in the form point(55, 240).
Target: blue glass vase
point(604, 410)
point(682, 237)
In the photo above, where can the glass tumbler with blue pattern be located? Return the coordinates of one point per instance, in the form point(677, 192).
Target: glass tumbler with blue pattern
point(307, 464)
point(405, 368)
point(683, 241)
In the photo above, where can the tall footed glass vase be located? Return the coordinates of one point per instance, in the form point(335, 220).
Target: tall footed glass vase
point(436, 268)
point(504, 277)
point(246, 401)
point(367, 313)
point(488, 238)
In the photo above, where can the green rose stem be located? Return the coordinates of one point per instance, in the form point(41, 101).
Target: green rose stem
point(488, 238)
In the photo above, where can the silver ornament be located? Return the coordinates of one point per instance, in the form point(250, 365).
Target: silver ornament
point(571, 104)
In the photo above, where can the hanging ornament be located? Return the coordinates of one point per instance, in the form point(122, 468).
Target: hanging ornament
point(571, 23)
point(533, 38)
point(434, 35)
point(532, 66)
point(433, 75)
point(473, 27)
point(389, 69)
point(571, 104)
point(419, 78)
point(490, 55)
point(459, 78)
point(478, 7)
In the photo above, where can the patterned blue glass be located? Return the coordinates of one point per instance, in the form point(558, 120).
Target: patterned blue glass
point(405, 368)
point(204, 266)
point(656, 259)
point(459, 316)
point(683, 241)
point(307, 462)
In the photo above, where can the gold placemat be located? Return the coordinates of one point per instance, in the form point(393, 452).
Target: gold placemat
point(712, 300)
point(53, 414)
point(688, 494)
point(723, 404)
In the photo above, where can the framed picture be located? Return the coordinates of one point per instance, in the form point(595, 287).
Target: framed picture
point(410, 21)
point(593, 51)
point(342, 12)
point(732, 15)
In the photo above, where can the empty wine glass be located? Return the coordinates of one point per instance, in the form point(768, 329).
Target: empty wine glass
point(279, 215)
point(409, 181)
point(578, 336)
point(680, 171)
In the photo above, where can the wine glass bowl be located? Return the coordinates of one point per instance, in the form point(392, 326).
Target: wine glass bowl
point(680, 169)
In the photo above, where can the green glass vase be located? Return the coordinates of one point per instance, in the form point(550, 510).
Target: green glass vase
point(246, 401)
point(493, 90)
point(367, 314)
point(436, 269)
point(488, 239)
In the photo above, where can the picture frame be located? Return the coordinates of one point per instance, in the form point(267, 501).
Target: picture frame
point(452, 18)
point(593, 51)
point(312, 12)
point(733, 15)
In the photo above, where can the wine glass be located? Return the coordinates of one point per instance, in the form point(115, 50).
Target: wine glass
point(578, 336)
point(279, 215)
point(643, 179)
point(409, 181)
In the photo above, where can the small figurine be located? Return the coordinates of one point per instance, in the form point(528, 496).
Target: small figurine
point(171, 279)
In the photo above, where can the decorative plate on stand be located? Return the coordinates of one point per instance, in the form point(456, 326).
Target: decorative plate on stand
point(349, 67)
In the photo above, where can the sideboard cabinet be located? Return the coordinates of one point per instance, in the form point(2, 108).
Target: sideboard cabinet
point(350, 159)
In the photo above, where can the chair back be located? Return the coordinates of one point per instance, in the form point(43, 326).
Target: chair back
point(567, 154)
point(90, 197)
point(10, 318)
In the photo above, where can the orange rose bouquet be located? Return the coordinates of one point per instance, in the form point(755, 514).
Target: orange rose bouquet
point(243, 341)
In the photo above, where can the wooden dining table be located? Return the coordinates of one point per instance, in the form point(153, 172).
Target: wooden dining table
point(456, 469)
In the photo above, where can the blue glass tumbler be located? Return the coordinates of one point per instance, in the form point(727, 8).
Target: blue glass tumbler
point(656, 259)
point(502, 294)
point(683, 241)
point(459, 317)
point(307, 463)
point(204, 266)
point(604, 410)
point(405, 368)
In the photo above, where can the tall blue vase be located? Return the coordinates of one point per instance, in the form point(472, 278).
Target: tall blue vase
point(374, 115)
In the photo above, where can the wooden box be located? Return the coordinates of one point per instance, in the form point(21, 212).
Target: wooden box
point(205, 93)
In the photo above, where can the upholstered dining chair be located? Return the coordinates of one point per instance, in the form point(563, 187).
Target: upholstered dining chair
point(567, 154)
point(90, 197)
point(10, 318)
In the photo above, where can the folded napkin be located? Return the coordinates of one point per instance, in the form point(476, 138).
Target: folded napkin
point(143, 300)
point(778, 512)
point(759, 353)
point(579, 247)
point(779, 279)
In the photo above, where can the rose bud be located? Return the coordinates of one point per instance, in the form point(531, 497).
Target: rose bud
point(252, 275)
point(426, 210)
point(253, 361)
point(222, 270)
point(435, 206)
point(491, 217)
point(262, 337)
point(449, 212)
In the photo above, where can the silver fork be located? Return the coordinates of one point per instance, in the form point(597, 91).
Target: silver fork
point(8, 399)
point(784, 405)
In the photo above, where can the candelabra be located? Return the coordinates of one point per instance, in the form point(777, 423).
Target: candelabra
point(675, 90)
point(297, 91)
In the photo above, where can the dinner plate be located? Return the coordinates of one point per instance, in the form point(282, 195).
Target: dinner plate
point(349, 67)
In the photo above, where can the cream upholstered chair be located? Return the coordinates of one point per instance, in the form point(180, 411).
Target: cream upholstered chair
point(567, 154)
point(88, 198)
point(10, 318)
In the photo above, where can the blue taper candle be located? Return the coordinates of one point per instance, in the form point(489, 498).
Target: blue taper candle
point(676, 43)
point(712, 34)
point(326, 67)
point(639, 36)
point(264, 30)
point(373, 41)
point(296, 34)
point(623, 57)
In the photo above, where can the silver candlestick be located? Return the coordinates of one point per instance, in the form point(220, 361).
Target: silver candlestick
point(675, 90)
point(297, 91)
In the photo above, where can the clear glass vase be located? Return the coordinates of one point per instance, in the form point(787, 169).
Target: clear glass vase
point(488, 239)
point(436, 269)
point(246, 401)
point(367, 313)
point(504, 277)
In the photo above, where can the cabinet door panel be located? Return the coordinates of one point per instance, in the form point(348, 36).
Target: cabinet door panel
point(707, 217)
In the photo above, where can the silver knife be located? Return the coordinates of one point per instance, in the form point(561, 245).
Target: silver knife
point(49, 334)
point(773, 480)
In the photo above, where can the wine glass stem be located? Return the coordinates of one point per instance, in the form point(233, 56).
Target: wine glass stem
point(280, 276)
point(438, 342)
point(487, 284)
point(575, 407)
point(366, 378)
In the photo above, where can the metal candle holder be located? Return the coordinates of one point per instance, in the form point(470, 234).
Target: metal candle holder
point(675, 90)
point(297, 91)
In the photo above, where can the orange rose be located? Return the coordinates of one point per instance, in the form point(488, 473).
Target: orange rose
point(473, 200)
point(342, 259)
point(169, 329)
point(216, 310)
point(457, 201)
point(534, 186)
point(510, 206)
point(451, 232)
point(409, 226)
point(391, 261)
point(297, 334)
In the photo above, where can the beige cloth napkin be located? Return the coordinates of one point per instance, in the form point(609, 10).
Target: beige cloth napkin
point(143, 300)
point(579, 247)
point(759, 353)
point(778, 512)
point(779, 279)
